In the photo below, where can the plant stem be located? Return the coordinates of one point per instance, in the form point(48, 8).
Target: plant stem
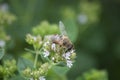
point(36, 58)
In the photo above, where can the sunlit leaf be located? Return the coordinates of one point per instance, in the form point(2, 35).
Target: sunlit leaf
point(23, 64)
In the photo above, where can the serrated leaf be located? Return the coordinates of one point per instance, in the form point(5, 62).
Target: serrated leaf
point(24, 63)
point(2, 52)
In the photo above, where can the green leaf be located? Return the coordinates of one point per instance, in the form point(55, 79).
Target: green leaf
point(23, 64)
point(2, 52)
point(57, 73)
point(71, 29)
point(60, 70)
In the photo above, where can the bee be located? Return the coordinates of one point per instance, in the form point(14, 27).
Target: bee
point(62, 39)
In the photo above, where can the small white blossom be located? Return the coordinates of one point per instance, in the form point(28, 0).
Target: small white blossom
point(31, 79)
point(2, 43)
point(40, 42)
point(42, 78)
point(72, 51)
point(31, 73)
point(46, 53)
point(67, 55)
point(82, 18)
point(69, 63)
point(53, 46)
point(53, 58)
point(46, 43)
point(4, 7)
point(34, 38)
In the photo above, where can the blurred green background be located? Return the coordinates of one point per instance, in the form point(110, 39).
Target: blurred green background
point(92, 25)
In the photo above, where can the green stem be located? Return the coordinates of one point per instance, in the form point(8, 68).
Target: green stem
point(36, 58)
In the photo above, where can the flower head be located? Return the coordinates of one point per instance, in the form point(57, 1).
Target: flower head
point(42, 78)
point(2, 43)
point(72, 51)
point(53, 46)
point(67, 55)
point(69, 63)
point(46, 53)
point(82, 18)
point(34, 38)
point(31, 79)
point(46, 43)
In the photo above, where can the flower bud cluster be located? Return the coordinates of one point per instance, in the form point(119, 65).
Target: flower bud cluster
point(36, 41)
point(36, 74)
point(8, 68)
point(6, 18)
point(50, 54)
point(45, 28)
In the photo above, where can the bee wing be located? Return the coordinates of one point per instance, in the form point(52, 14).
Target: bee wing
point(62, 28)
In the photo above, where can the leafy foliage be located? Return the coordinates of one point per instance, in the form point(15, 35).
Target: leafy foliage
point(92, 26)
point(94, 75)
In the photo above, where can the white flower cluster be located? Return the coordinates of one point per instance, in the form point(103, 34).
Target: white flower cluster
point(58, 54)
point(67, 58)
point(53, 46)
point(69, 63)
point(2, 43)
point(42, 78)
point(46, 53)
point(4, 7)
point(46, 43)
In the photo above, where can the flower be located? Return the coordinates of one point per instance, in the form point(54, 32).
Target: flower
point(82, 18)
point(53, 46)
point(2, 43)
point(53, 58)
point(69, 63)
point(67, 55)
point(72, 51)
point(4, 7)
point(31, 73)
point(34, 38)
point(31, 79)
point(46, 53)
point(46, 43)
point(42, 78)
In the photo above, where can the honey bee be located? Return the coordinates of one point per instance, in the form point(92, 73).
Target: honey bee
point(62, 39)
